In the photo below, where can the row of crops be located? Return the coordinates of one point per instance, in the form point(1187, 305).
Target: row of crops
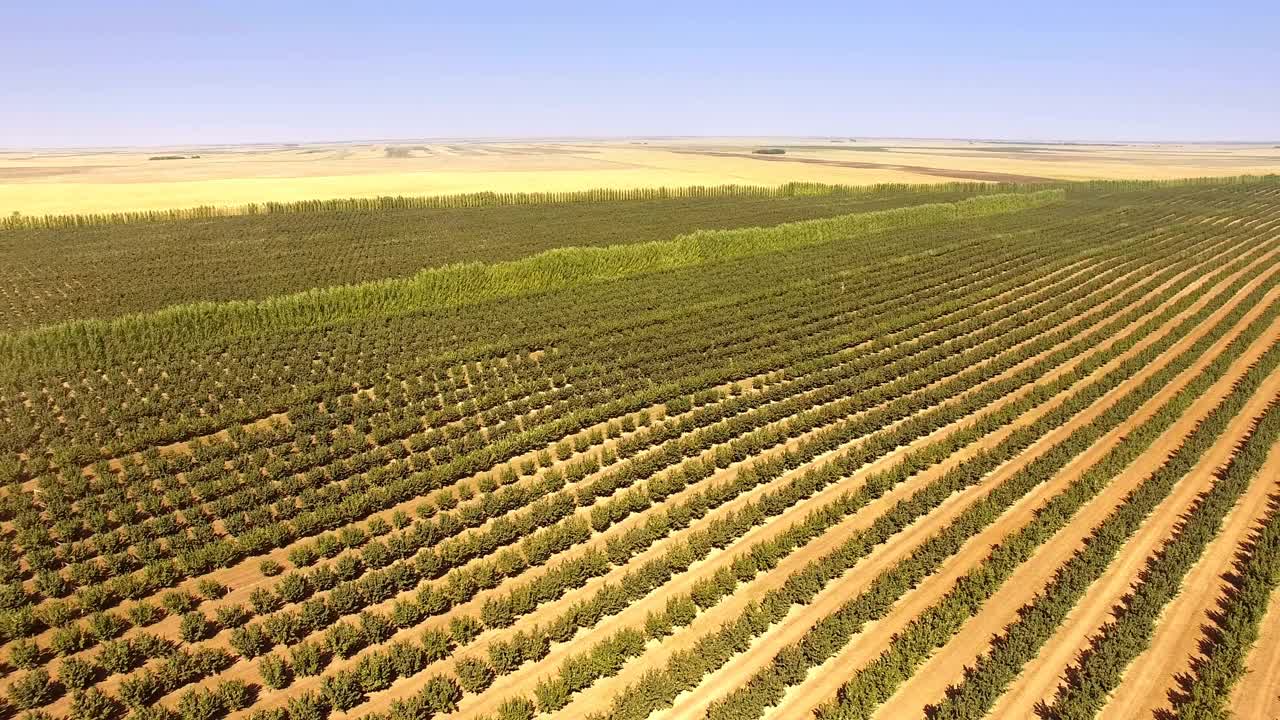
point(872, 472)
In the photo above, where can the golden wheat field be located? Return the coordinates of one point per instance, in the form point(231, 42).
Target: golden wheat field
point(115, 180)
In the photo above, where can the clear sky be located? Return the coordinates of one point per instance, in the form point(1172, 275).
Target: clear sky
point(118, 72)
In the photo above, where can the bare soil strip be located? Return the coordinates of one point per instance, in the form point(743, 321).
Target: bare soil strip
point(245, 670)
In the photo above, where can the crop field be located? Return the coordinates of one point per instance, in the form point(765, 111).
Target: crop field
point(88, 180)
point(961, 450)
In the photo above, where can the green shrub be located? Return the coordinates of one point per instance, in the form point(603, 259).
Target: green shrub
point(179, 602)
point(31, 690)
point(211, 589)
point(25, 654)
point(307, 659)
point(342, 691)
point(234, 695)
point(194, 627)
point(144, 613)
point(200, 704)
point(76, 674)
point(474, 674)
point(275, 671)
point(93, 704)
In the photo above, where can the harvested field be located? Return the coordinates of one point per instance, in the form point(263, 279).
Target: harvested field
point(124, 179)
point(983, 175)
point(951, 451)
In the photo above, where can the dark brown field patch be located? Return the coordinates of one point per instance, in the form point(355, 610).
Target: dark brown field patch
point(918, 169)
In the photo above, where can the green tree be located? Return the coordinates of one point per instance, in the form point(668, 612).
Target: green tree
point(193, 627)
point(25, 654)
point(504, 656)
point(307, 706)
point(250, 641)
point(199, 704)
point(474, 674)
point(308, 660)
point(517, 708)
point(440, 694)
point(376, 671)
point(234, 694)
point(342, 690)
point(211, 589)
point(31, 690)
point(140, 689)
point(344, 640)
point(93, 704)
point(275, 671)
point(76, 674)
point(118, 656)
point(552, 694)
point(436, 644)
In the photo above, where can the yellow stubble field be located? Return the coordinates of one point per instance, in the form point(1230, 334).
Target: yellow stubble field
point(120, 179)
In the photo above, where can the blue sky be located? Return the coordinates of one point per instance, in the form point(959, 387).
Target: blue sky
point(124, 73)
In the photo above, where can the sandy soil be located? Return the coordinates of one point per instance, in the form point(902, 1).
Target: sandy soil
point(130, 181)
point(245, 577)
point(1071, 163)
point(107, 180)
point(956, 174)
point(635, 613)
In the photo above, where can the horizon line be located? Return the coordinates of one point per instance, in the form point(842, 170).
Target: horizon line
point(599, 138)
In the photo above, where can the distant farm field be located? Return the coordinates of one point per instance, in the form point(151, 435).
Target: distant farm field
point(125, 179)
point(979, 449)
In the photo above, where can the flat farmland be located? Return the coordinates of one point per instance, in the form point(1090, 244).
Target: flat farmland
point(992, 446)
point(39, 182)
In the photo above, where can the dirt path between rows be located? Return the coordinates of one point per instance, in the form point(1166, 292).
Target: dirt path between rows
point(1152, 677)
point(691, 704)
point(945, 667)
point(822, 682)
point(1042, 676)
